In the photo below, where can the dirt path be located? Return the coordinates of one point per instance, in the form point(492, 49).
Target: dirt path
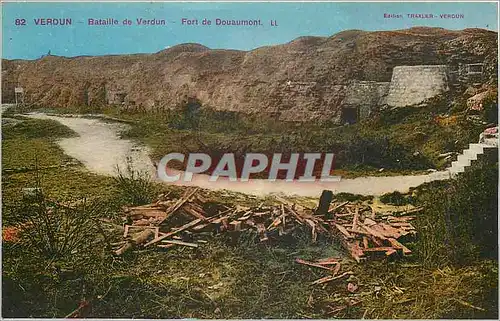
point(100, 148)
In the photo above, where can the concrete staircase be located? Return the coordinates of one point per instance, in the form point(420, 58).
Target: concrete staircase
point(466, 159)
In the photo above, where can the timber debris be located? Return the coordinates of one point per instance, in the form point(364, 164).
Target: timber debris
point(361, 230)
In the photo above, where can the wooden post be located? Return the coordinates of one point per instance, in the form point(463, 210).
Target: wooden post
point(324, 202)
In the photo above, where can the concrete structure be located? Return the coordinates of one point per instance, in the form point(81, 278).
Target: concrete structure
point(364, 96)
point(409, 86)
point(412, 85)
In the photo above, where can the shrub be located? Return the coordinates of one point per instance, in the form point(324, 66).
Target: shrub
point(342, 197)
point(491, 108)
point(395, 198)
point(54, 230)
point(135, 187)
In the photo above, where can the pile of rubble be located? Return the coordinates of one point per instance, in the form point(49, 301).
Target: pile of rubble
point(171, 222)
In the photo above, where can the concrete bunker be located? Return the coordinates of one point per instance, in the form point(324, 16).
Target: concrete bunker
point(349, 115)
point(365, 96)
point(412, 85)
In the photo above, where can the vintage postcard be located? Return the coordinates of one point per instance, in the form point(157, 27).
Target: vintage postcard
point(249, 160)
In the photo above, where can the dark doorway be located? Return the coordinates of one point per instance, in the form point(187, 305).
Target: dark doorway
point(349, 115)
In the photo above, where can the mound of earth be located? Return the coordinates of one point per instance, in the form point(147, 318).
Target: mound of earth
point(300, 80)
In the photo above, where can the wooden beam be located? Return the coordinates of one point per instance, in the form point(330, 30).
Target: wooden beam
point(178, 230)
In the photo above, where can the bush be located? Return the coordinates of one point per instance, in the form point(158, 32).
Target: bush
point(459, 222)
point(54, 230)
point(135, 187)
point(342, 197)
point(395, 198)
point(491, 108)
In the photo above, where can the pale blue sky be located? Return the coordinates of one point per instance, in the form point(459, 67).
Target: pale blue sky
point(294, 20)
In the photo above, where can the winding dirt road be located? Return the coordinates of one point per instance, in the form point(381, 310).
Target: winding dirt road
point(100, 148)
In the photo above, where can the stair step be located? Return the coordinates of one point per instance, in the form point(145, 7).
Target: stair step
point(466, 159)
point(471, 154)
point(457, 169)
point(477, 147)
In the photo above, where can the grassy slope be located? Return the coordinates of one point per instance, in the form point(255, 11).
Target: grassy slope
point(219, 280)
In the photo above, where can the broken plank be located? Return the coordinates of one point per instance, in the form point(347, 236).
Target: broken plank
point(398, 245)
point(165, 246)
point(355, 250)
point(180, 243)
point(236, 225)
point(369, 222)
point(329, 260)
point(148, 213)
point(378, 249)
point(365, 242)
point(189, 208)
point(400, 219)
point(387, 230)
point(125, 231)
point(336, 207)
point(245, 216)
point(299, 218)
point(138, 239)
point(343, 230)
point(387, 250)
point(401, 224)
point(331, 278)
point(373, 232)
point(355, 219)
point(300, 261)
point(314, 235)
point(390, 252)
point(200, 227)
point(218, 220)
point(275, 223)
point(178, 204)
point(180, 229)
point(142, 222)
point(283, 216)
point(143, 207)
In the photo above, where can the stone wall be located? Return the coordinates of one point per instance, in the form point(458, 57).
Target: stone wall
point(411, 85)
point(366, 96)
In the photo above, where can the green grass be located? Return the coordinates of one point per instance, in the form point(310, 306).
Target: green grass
point(26, 152)
point(31, 142)
point(31, 145)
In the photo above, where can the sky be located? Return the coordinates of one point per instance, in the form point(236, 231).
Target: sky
point(27, 40)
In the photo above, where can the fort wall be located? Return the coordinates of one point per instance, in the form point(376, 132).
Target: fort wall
point(411, 85)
